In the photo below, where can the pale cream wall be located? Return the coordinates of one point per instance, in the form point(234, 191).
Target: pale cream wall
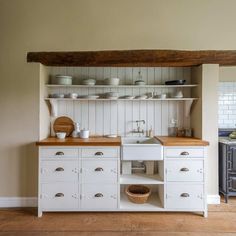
point(228, 74)
point(33, 25)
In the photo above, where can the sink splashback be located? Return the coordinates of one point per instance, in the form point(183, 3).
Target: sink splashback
point(116, 117)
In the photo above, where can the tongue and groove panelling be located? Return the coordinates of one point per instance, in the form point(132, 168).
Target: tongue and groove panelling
point(117, 117)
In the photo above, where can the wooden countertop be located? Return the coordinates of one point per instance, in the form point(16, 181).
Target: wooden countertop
point(92, 141)
point(181, 141)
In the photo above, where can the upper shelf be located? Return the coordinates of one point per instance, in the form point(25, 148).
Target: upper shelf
point(121, 86)
point(135, 58)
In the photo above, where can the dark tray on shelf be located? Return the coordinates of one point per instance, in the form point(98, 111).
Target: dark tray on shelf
point(175, 82)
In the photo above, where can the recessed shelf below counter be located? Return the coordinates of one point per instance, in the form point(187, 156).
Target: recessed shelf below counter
point(121, 86)
point(141, 179)
point(153, 204)
point(119, 99)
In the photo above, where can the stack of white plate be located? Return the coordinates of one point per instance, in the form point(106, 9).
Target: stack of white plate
point(56, 95)
point(112, 95)
point(139, 82)
point(141, 97)
point(90, 97)
point(89, 82)
point(62, 80)
point(71, 95)
point(128, 97)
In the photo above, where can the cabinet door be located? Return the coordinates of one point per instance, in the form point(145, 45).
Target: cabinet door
point(185, 196)
point(59, 196)
point(184, 170)
point(100, 196)
point(232, 159)
point(59, 170)
point(232, 184)
point(99, 171)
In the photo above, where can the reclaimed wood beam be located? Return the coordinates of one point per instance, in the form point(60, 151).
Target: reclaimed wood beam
point(135, 58)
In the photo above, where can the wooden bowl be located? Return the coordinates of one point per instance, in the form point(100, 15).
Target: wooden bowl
point(138, 193)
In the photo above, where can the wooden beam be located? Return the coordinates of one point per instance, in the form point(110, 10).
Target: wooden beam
point(135, 58)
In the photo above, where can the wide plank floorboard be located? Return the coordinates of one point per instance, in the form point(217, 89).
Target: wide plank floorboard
point(221, 221)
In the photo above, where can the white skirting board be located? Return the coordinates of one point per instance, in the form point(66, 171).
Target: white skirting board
point(32, 201)
point(18, 202)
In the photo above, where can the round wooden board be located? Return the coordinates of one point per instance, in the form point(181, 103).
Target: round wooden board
point(63, 124)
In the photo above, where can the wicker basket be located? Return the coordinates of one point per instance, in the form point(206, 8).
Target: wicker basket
point(138, 193)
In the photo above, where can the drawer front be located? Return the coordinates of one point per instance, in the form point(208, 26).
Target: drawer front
point(184, 152)
point(99, 196)
point(100, 152)
point(184, 170)
point(59, 152)
point(59, 196)
point(99, 171)
point(185, 196)
point(58, 170)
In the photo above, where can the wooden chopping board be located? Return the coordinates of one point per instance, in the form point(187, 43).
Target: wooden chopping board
point(63, 124)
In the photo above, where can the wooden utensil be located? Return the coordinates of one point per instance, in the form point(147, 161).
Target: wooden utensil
point(63, 124)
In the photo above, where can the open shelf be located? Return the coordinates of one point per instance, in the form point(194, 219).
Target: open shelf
point(153, 204)
point(121, 86)
point(120, 99)
point(141, 179)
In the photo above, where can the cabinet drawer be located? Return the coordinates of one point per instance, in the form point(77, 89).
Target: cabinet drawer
point(99, 171)
point(59, 196)
point(184, 170)
point(59, 152)
point(185, 196)
point(184, 152)
point(100, 152)
point(58, 170)
point(99, 196)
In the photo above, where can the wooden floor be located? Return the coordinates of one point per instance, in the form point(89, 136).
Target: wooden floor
point(221, 221)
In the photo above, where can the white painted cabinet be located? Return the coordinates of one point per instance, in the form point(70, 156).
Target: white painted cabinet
point(88, 179)
point(78, 179)
point(185, 178)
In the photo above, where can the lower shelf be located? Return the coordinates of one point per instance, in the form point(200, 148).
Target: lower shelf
point(153, 204)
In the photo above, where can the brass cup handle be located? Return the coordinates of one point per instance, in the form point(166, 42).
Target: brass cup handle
point(98, 154)
point(59, 153)
point(59, 195)
point(98, 195)
point(184, 195)
point(59, 169)
point(184, 169)
point(184, 153)
point(99, 169)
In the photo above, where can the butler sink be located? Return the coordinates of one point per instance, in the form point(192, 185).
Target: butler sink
point(141, 149)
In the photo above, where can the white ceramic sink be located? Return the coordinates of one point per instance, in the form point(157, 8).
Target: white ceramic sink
point(141, 148)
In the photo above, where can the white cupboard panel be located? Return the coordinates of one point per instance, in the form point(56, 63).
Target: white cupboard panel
point(103, 196)
point(185, 170)
point(58, 170)
point(99, 171)
point(59, 196)
point(184, 196)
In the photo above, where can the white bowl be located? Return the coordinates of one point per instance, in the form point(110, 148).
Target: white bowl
point(62, 80)
point(61, 135)
point(89, 82)
point(112, 81)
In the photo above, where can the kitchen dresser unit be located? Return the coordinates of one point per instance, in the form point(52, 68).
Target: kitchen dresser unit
point(84, 175)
